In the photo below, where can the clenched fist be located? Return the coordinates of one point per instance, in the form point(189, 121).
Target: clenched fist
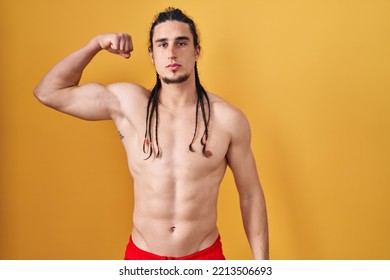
point(117, 43)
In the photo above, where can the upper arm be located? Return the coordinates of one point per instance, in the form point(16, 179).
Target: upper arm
point(91, 101)
point(240, 157)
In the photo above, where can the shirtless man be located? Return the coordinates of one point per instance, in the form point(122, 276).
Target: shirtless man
point(176, 185)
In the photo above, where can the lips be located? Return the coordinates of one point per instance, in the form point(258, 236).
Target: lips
point(173, 66)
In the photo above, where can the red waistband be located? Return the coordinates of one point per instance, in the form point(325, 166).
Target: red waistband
point(214, 252)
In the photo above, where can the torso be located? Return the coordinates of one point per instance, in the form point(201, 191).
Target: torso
point(175, 196)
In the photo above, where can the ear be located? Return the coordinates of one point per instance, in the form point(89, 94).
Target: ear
point(151, 55)
point(197, 52)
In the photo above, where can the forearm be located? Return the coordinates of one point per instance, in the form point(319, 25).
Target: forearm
point(67, 73)
point(255, 221)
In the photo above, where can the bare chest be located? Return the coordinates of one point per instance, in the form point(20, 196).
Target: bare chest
point(172, 135)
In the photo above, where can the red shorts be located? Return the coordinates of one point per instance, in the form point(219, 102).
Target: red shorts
point(214, 252)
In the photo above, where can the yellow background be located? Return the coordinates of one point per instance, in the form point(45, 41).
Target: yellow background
point(311, 76)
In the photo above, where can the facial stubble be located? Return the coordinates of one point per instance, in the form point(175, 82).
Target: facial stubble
point(176, 80)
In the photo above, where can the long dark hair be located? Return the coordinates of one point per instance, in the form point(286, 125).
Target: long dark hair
point(152, 107)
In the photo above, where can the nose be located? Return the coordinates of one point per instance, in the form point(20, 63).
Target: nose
point(171, 52)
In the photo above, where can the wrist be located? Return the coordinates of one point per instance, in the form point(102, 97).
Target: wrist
point(94, 45)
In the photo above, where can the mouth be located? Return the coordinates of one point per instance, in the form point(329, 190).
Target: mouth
point(173, 66)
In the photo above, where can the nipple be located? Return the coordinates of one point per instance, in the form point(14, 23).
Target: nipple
point(208, 154)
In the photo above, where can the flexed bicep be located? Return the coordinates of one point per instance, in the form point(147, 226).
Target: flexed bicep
point(91, 101)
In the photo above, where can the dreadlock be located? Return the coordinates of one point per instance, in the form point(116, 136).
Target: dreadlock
point(152, 107)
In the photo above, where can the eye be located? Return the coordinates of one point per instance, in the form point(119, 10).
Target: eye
point(182, 44)
point(162, 45)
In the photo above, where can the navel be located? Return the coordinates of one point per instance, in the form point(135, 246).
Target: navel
point(172, 229)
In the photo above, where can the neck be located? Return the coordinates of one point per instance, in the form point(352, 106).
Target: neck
point(178, 95)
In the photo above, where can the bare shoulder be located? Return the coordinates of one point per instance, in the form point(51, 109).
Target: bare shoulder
point(228, 115)
point(131, 99)
point(129, 95)
point(128, 90)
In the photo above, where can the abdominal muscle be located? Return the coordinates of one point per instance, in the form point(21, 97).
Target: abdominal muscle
point(173, 218)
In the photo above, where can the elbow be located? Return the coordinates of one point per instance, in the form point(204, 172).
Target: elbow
point(37, 93)
point(40, 95)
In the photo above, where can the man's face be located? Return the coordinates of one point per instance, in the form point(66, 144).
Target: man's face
point(173, 54)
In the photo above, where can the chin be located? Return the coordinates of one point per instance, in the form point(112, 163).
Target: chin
point(176, 79)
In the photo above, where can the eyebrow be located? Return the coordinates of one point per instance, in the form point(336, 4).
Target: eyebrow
point(180, 38)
